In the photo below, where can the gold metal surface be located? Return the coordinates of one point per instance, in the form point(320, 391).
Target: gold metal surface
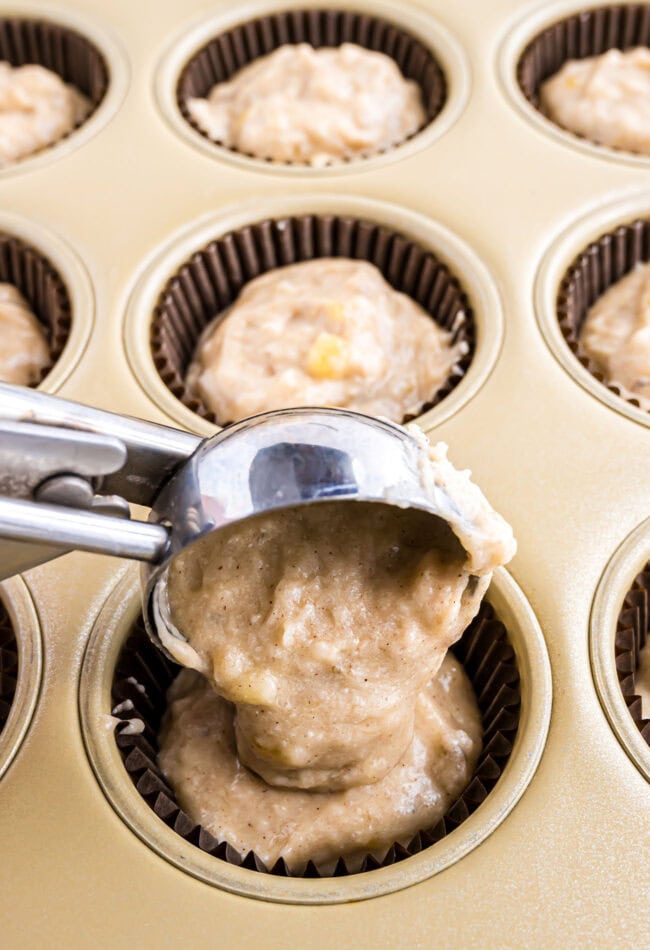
point(569, 473)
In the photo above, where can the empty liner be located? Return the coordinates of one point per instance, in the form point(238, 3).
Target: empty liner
point(75, 59)
point(8, 665)
point(583, 34)
point(212, 278)
point(226, 54)
point(40, 283)
point(594, 270)
point(143, 676)
point(631, 636)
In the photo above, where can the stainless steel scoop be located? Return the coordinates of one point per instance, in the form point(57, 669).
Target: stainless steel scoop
point(68, 472)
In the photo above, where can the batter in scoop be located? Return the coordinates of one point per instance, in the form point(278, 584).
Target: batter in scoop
point(604, 98)
point(312, 106)
point(24, 352)
point(198, 755)
point(36, 110)
point(327, 720)
point(326, 332)
point(616, 334)
point(322, 624)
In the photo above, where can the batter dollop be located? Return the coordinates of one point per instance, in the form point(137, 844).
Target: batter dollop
point(199, 756)
point(326, 332)
point(312, 106)
point(24, 352)
point(604, 98)
point(616, 334)
point(36, 110)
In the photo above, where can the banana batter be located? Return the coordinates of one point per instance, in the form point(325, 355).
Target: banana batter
point(616, 334)
point(24, 352)
point(324, 722)
point(326, 332)
point(36, 110)
point(604, 98)
point(312, 106)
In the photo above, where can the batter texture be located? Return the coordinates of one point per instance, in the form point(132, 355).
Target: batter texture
point(199, 756)
point(326, 332)
point(322, 624)
point(604, 98)
point(312, 106)
point(36, 110)
point(616, 334)
point(24, 352)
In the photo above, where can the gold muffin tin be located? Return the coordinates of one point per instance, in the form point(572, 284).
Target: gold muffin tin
point(554, 853)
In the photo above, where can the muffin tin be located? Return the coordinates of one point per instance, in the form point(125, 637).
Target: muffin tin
point(506, 203)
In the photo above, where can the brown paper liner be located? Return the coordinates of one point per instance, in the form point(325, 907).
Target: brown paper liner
point(631, 636)
point(8, 665)
point(600, 265)
point(226, 54)
point(36, 278)
point(488, 659)
point(26, 40)
point(583, 34)
point(212, 278)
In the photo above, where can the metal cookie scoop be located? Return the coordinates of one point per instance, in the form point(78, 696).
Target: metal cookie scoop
point(68, 472)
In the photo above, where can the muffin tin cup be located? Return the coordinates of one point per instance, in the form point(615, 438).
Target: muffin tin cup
point(539, 44)
point(590, 256)
point(202, 272)
point(217, 48)
point(618, 629)
point(56, 286)
point(21, 662)
point(76, 50)
point(510, 674)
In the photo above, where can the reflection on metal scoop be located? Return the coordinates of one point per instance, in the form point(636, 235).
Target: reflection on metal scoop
point(276, 460)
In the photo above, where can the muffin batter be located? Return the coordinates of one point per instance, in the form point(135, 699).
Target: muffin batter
point(325, 685)
point(326, 332)
point(312, 106)
point(36, 110)
point(24, 352)
point(616, 334)
point(604, 98)
point(198, 754)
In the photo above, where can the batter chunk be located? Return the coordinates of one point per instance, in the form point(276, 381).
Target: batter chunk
point(36, 110)
point(199, 756)
point(312, 106)
point(326, 332)
point(24, 352)
point(604, 98)
point(616, 334)
point(321, 720)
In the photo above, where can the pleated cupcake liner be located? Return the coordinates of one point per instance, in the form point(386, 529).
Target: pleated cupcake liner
point(594, 270)
point(143, 676)
point(224, 55)
point(8, 665)
point(631, 636)
point(208, 283)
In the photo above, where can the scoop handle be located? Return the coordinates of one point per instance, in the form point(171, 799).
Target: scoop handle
point(153, 452)
point(32, 533)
